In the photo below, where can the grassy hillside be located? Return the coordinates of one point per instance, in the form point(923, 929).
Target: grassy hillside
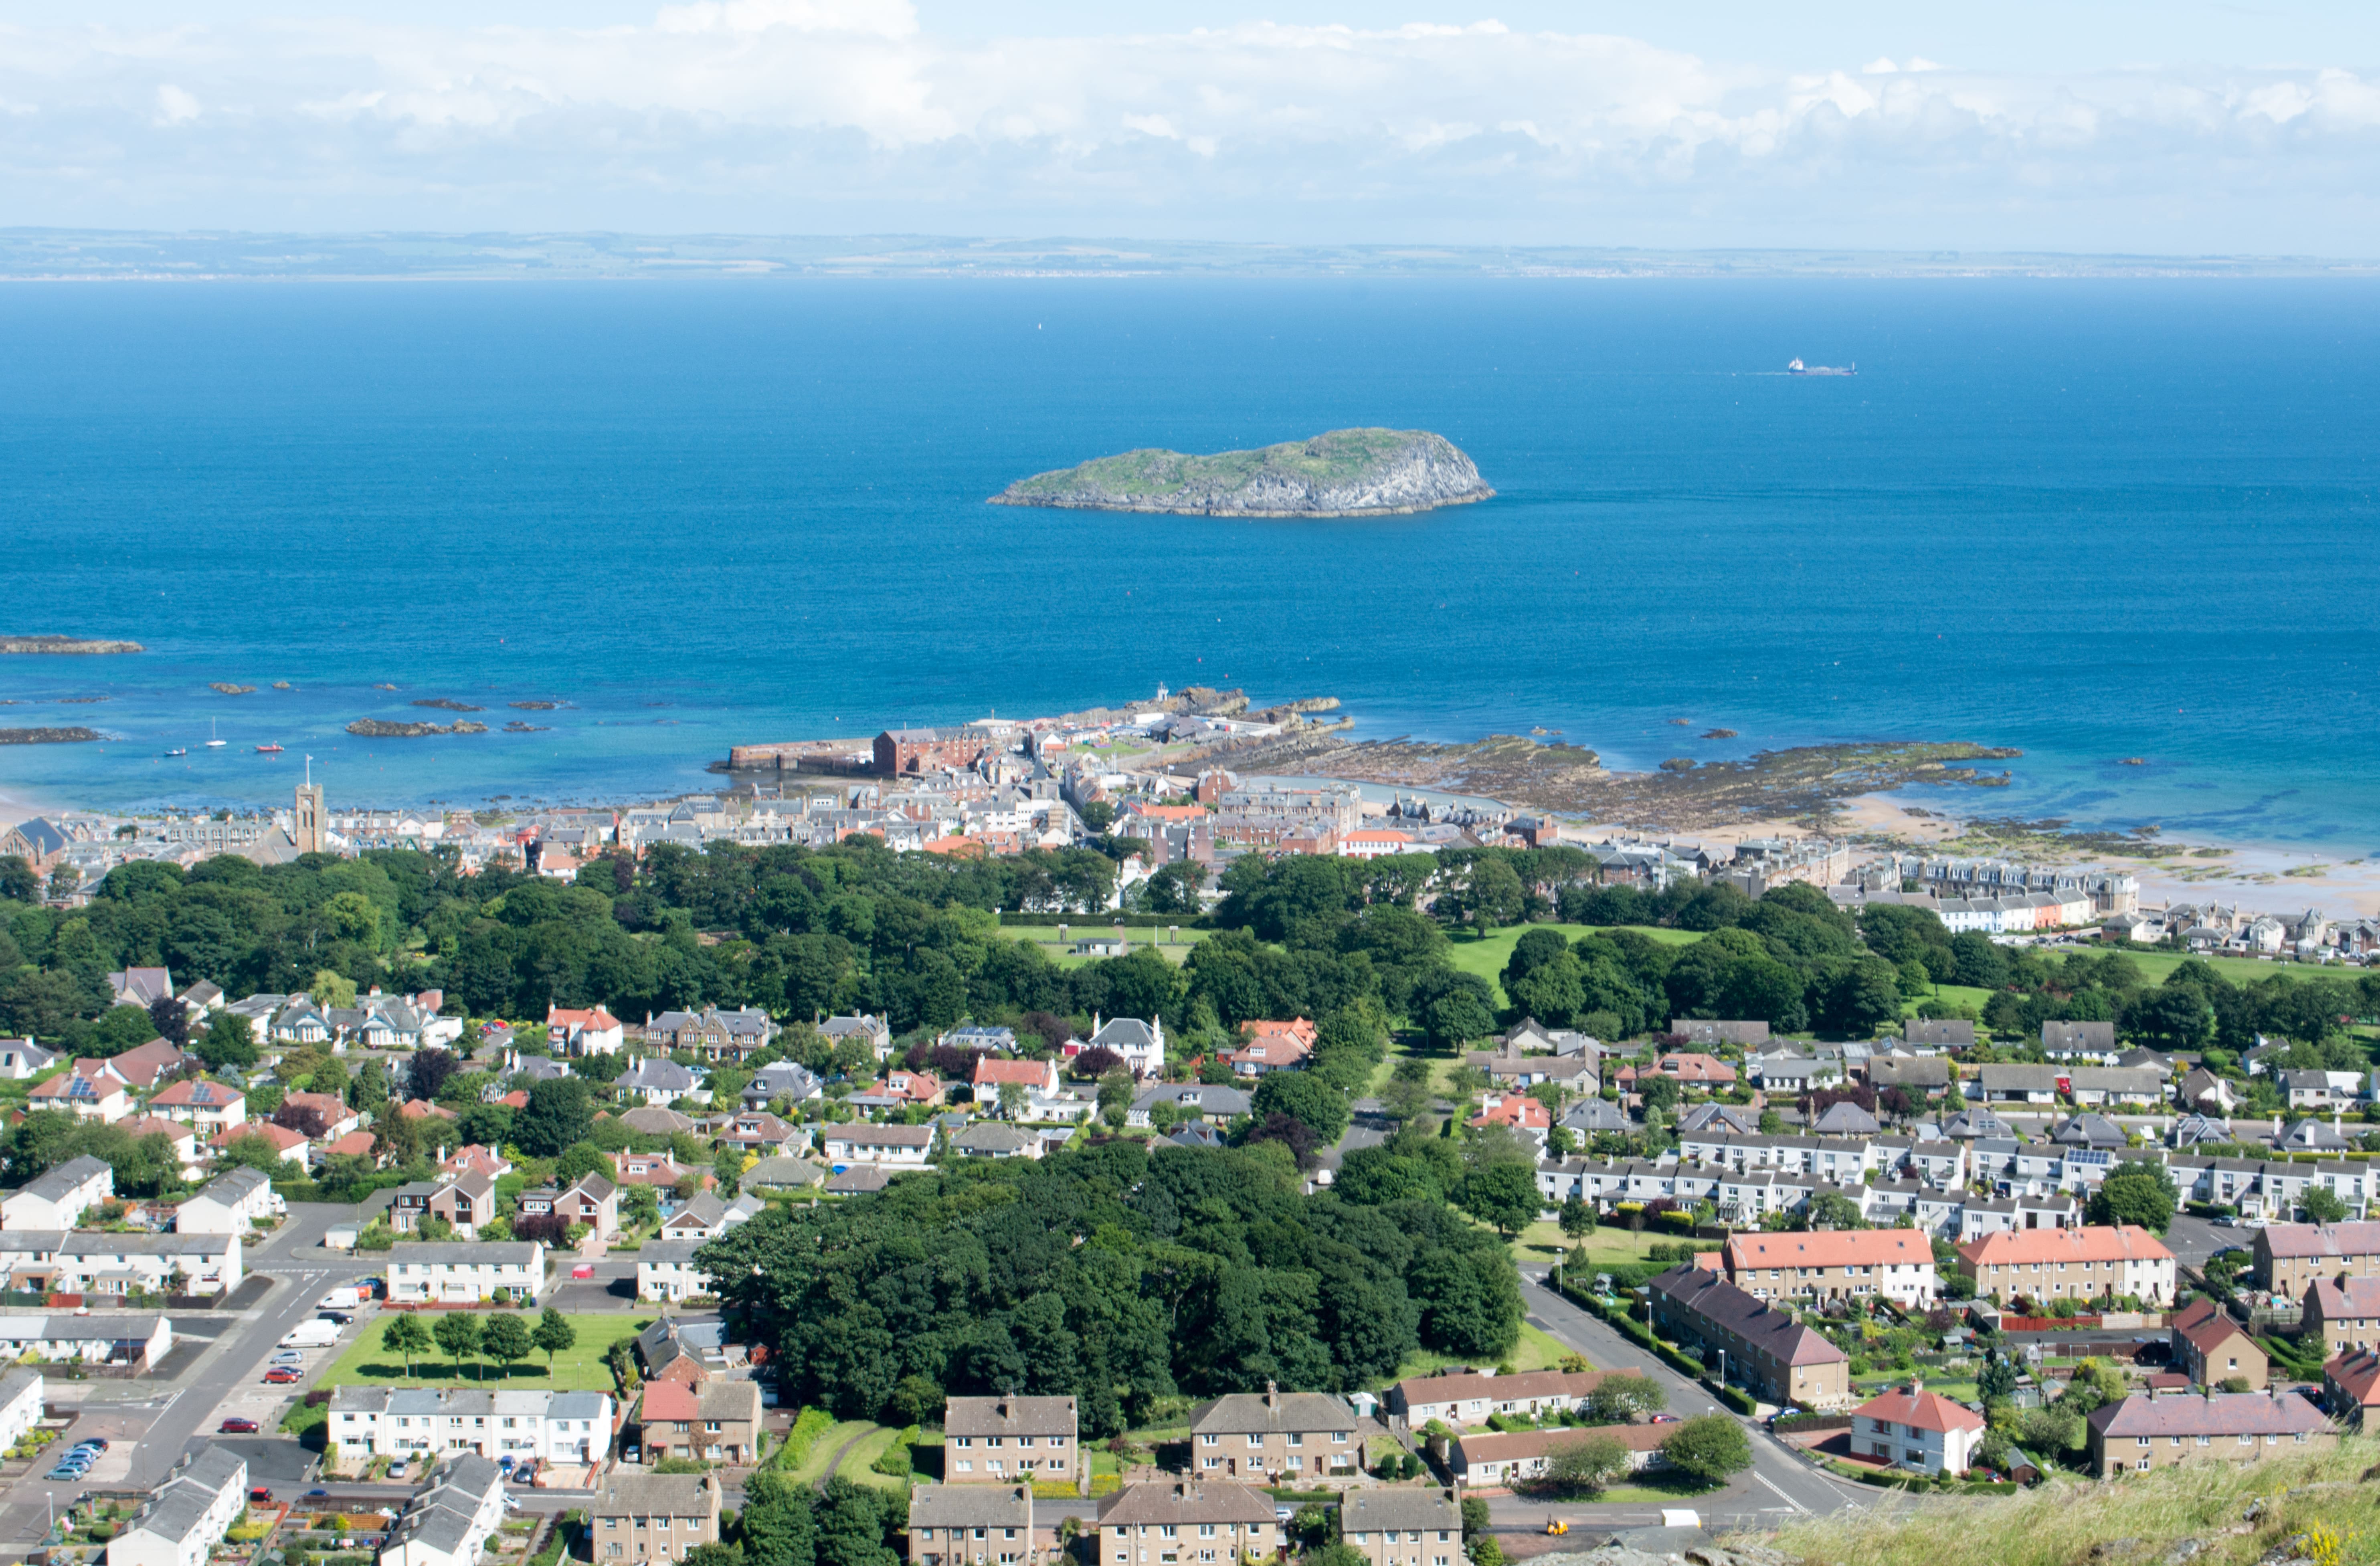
point(2059, 1522)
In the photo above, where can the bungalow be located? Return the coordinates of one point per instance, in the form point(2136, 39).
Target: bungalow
point(293, 1146)
point(1690, 1069)
point(755, 1132)
point(989, 1139)
point(327, 1116)
point(1483, 1459)
point(906, 1146)
point(1461, 1398)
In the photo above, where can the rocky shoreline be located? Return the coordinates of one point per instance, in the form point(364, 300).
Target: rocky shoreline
point(379, 728)
point(49, 736)
point(80, 645)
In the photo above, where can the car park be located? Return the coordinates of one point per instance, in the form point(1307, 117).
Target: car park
point(236, 1427)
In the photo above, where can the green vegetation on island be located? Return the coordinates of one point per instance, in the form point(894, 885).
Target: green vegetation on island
point(1342, 473)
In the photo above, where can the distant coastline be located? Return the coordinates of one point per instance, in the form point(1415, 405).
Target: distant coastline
point(37, 255)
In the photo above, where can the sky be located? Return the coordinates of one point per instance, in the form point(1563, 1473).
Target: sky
point(2184, 127)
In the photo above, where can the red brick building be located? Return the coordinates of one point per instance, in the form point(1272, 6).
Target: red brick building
point(912, 751)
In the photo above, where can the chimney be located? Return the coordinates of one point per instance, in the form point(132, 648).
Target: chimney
point(1272, 1395)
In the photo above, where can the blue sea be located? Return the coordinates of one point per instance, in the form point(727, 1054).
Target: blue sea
point(2093, 520)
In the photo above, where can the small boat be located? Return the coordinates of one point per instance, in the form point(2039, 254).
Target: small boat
point(214, 741)
point(178, 750)
point(1798, 367)
point(268, 750)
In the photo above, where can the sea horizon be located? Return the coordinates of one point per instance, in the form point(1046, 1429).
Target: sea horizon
point(2094, 519)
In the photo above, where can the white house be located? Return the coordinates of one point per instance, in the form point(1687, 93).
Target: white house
point(59, 1198)
point(20, 1404)
point(88, 1262)
point(450, 1522)
point(189, 1514)
point(594, 1032)
point(901, 1145)
point(210, 1107)
point(665, 1271)
point(1140, 1044)
point(465, 1274)
point(1910, 1427)
point(90, 1091)
point(21, 1058)
point(99, 1337)
point(567, 1427)
point(655, 1081)
point(229, 1205)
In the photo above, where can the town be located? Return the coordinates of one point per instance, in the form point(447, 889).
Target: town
point(990, 1130)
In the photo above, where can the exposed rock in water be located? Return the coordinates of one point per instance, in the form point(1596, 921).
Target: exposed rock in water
point(80, 700)
point(2131, 761)
point(1342, 473)
point(444, 704)
point(230, 689)
point(1679, 764)
point(1718, 734)
point(534, 706)
point(283, 684)
point(383, 688)
point(47, 736)
point(518, 727)
point(46, 643)
point(375, 728)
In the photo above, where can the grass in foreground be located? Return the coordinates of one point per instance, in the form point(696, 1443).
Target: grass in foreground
point(856, 1463)
point(829, 1446)
point(2057, 1522)
point(579, 1368)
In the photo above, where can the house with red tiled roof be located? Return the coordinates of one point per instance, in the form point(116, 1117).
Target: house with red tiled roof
point(592, 1032)
point(1910, 1427)
point(208, 1105)
point(353, 1144)
point(1685, 1067)
point(477, 1159)
point(292, 1145)
point(149, 1064)
point(1827, 1264)
point(422, 1108)
point(2211, 1348)
point(1517, 1112)
point(2350, 1386)
point(90, 1091)
point(1033, 1076)
point(2092, 1262)
point(327, 1115)
point(1272, 1046)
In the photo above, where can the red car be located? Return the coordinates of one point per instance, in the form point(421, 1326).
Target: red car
point(236, 1427)
point(259, 1495)
point(584, 1270)
point(281, 1376)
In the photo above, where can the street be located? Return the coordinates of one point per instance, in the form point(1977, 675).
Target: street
point(1780, 1484)
point(152, 1421)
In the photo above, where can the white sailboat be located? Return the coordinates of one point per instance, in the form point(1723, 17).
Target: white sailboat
point(212, 743)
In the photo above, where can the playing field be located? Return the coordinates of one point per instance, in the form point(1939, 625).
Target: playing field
point(579, 1368)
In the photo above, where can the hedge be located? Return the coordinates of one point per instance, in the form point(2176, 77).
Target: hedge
point(812, 1424)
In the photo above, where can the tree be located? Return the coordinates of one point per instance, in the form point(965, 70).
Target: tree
point(1996, 1382)
point(1619, 1400)
point(457, 1332)
point(1503, 1195)
point(2322, 1206)
point(2138, 1192)
point(1011, 1100)
point(1828, 1210)
point(252, 1152)
point(429, 1070)
point(1306, 1097)
point(552, 1334)
point(330, 988)
point(579, 1161)
point(1577, 1218)
point(1585, 1467)
point(170, 1020)
point(506, 1339)
point(1709, 1446)
point(406, 1335)
point(776, 1522)
point(556, 1115)
point(1458, 1016)
point(1659, 1090)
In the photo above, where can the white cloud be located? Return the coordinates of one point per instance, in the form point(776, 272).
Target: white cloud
point(844, 115)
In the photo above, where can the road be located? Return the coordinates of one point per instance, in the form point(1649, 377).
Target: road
point(152, 1422)
point(1781, 1484)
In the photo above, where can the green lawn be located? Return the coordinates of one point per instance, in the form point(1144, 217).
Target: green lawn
point(829, 1446)
point(1486, 955)
point(1655, 1488)
point(2238, 970)
point(1535, 1351)
point(579, 1368)
point(856, 1465)
point(1544, 1242)
point(1962, 995)
point(1062, 952)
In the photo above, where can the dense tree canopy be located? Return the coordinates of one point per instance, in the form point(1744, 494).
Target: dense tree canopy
point(1112, 1275)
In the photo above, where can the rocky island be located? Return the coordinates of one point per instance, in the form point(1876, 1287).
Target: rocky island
point(1343, 473)
point(48, 643)
point(378, 728)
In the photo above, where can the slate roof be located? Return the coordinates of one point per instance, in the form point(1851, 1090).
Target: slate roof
point(1240, 1414)
point(1012, 1416)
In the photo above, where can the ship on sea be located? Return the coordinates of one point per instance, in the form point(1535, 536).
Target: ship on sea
point(1798, 367)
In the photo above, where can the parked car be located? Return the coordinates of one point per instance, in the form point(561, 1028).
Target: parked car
point(584, 1270)
point(92, 1443)
point(236, 1427)
point(259, 1495)
point(339, 1317)
point(283, 1375)
point(63, 1476)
